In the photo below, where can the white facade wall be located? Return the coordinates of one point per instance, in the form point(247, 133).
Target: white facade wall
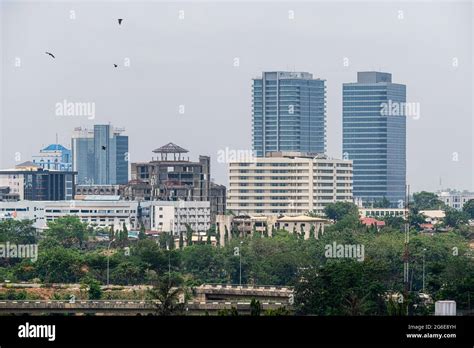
point(15, 182)
point(173, 216)
point(96, 213)
point(455, 200)
point(288, 185)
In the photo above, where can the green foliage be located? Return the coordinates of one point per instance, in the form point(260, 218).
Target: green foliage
point(68, 231)
point(142, 234)
point(455, 218)
point(255, 308)
point(94, 290)
point(339, 210)
point(17, 232)
point(59, 265)
point(468, 208)
point(166, 293)
point(232, 312)
point(427, 201)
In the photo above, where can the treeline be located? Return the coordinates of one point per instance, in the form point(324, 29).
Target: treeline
point(323, 286)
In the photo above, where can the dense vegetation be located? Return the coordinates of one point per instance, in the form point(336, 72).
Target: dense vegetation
point(323, 286)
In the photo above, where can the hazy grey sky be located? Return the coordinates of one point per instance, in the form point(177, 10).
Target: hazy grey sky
point(190, 62)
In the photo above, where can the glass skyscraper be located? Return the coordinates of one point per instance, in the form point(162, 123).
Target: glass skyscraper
point(288, 113)
point(100, 156)
point(374, 136)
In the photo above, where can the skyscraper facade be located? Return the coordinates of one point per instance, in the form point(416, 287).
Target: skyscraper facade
point(374, 136)
point(100, 156)
point(288, 113)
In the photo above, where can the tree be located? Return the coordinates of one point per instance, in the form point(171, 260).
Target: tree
point(468, 208)
point(68, 231)
point(166, 292)
point(181, 240)
point(226, 236)
point(94, 291)
point(427, 201)
point(111, 233)
point(455, 218)
point(17, 231)
point(189, 235)
point(337, 211)
point(255, 308)
point(59, 265)
point(124, 234)
point(142, 234)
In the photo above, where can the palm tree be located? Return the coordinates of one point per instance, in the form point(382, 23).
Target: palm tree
point(166, 291)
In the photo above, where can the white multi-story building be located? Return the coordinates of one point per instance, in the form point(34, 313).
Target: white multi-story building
point(454, 199)
point(98, 213)
point(288, 183)
point(174, 216)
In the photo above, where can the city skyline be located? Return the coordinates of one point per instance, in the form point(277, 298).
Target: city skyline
point(147, 99)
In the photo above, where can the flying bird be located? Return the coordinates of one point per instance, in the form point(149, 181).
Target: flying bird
point(120, 21)
point(52, 55)
point(115, 65)
point(103, 147)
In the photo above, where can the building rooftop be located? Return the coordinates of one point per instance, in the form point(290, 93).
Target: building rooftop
point(55, 147)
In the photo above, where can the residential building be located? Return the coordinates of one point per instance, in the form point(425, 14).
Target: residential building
point(288, 113)
point(374, 136)
point(54, 157)
point(31, 182)
point(176, 216)
point(100, 155)
point(288, 183)
point(455, 199)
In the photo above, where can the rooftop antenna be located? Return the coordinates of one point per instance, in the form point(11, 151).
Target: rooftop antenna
point(57, 139)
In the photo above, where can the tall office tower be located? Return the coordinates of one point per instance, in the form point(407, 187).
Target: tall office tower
point(100, 156)
point(288, 113)
point(374, 136)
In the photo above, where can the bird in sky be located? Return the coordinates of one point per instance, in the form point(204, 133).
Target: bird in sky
point(115, 65)
point(50, 54)
point(120, 21)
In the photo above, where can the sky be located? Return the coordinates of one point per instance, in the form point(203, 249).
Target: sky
point(185, 72)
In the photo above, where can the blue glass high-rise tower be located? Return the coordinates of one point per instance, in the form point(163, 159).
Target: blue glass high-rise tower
point(374, 136)
point(100, 156)
point(288, 113)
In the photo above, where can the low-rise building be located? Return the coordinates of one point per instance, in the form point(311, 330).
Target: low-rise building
point(247, 225)
point(99, 213)
point(177, 216)
point(455, 199)
point(31, 182)
point(382, 212)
